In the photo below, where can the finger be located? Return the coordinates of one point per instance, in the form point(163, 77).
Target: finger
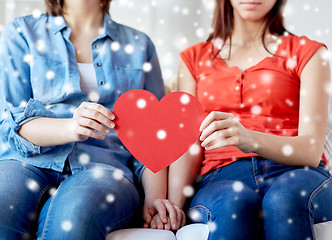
point(171, 212)
point(231, 141)
point(145, 225)
point(147, 218)
point(153, 224)
point(96, 116)
point(179, 219)
point(161, 208)
point(214, 116)
point(167, 226)
point(183, 219)
point(158, 221)
point(99, 108)
point(216, 125)
point(218, 135)
point(84, 131)
point(86, 122)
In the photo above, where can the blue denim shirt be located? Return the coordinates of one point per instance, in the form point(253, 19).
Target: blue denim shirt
point(39, 77)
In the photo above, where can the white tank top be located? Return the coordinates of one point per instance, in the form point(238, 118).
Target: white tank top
point(88, 81)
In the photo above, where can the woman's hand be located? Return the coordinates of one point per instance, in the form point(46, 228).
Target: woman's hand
point(162, 214)
point(221, 129)
point(91, 120)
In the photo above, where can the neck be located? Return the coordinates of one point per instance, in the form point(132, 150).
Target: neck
point(83, 15)
point(245, 32)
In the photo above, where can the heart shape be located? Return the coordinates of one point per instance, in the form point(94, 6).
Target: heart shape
point(157, 133)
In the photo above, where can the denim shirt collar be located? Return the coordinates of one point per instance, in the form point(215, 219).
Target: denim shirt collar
point(58, 23)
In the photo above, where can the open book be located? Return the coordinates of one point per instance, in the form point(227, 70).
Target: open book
point(188, 232)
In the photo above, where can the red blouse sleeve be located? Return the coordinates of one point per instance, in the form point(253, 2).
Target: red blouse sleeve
point(191, 57)
point(304, 50)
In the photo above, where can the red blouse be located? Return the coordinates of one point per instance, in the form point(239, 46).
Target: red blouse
point(264, 97)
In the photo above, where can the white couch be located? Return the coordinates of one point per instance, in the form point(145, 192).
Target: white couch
point(323, 231)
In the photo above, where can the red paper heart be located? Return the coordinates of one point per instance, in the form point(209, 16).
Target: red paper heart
point(157, 133)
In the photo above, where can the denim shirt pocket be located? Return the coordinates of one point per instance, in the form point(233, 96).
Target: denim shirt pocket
point(49, 77)
point(128, 79)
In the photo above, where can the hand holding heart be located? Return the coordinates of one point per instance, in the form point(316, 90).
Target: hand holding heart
point(221, 129)
point(90, 120)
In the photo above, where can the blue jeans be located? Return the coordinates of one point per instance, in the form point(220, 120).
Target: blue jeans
point(86, 205)
point(255, 198)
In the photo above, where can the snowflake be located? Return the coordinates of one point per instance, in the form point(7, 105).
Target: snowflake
point(4, 147)
point(23, 104)
point(287, 150)
point(195, 149)
point(28, 59)
point(110, 198)
point(66, 226)
point(184, 99)
point(32, 185)
point(84, 158)
point(141, 103)
point(58, 21)
point(147, 67)
point(291, 63)
point(256, 110)
point(50, 75)
point(195, 215)
point(97, 172)
point(129, 49)
point(303, 193)
point(36, 13)
point(212, 226)
point(10, 5)
point(118, 174)
point(185, 11)
point(237, 186)
point(188, 191)
point(161, 134)
point(52, 191)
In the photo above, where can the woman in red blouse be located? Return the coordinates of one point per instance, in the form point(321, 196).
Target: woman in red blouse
point(260, 153)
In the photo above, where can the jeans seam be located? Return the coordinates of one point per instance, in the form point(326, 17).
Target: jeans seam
point(47, 218)
point(202, 207)
point(48, 186)
point(312, 196)
point(254, 174)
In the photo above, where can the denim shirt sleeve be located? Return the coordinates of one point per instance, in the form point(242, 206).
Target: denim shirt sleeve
point(17, 105)
point(154, 84)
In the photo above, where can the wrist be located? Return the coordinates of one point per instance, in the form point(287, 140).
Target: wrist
point(69, 132)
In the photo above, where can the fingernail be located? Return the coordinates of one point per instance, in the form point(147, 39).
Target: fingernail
point(112, 125)
point(112, 117)
point(107, 131)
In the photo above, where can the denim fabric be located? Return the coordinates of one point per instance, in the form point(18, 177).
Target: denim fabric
point(87, 205)
point(254, 198)
point(39, 77)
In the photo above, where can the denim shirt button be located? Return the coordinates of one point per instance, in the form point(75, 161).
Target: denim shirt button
point(98, 64)
point(96, 46)
point(102, 82)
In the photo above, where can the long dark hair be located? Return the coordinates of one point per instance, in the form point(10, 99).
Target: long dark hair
point(223, 23)
point(54, 7)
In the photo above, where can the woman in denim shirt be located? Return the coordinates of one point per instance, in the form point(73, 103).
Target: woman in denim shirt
point(61, 74)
